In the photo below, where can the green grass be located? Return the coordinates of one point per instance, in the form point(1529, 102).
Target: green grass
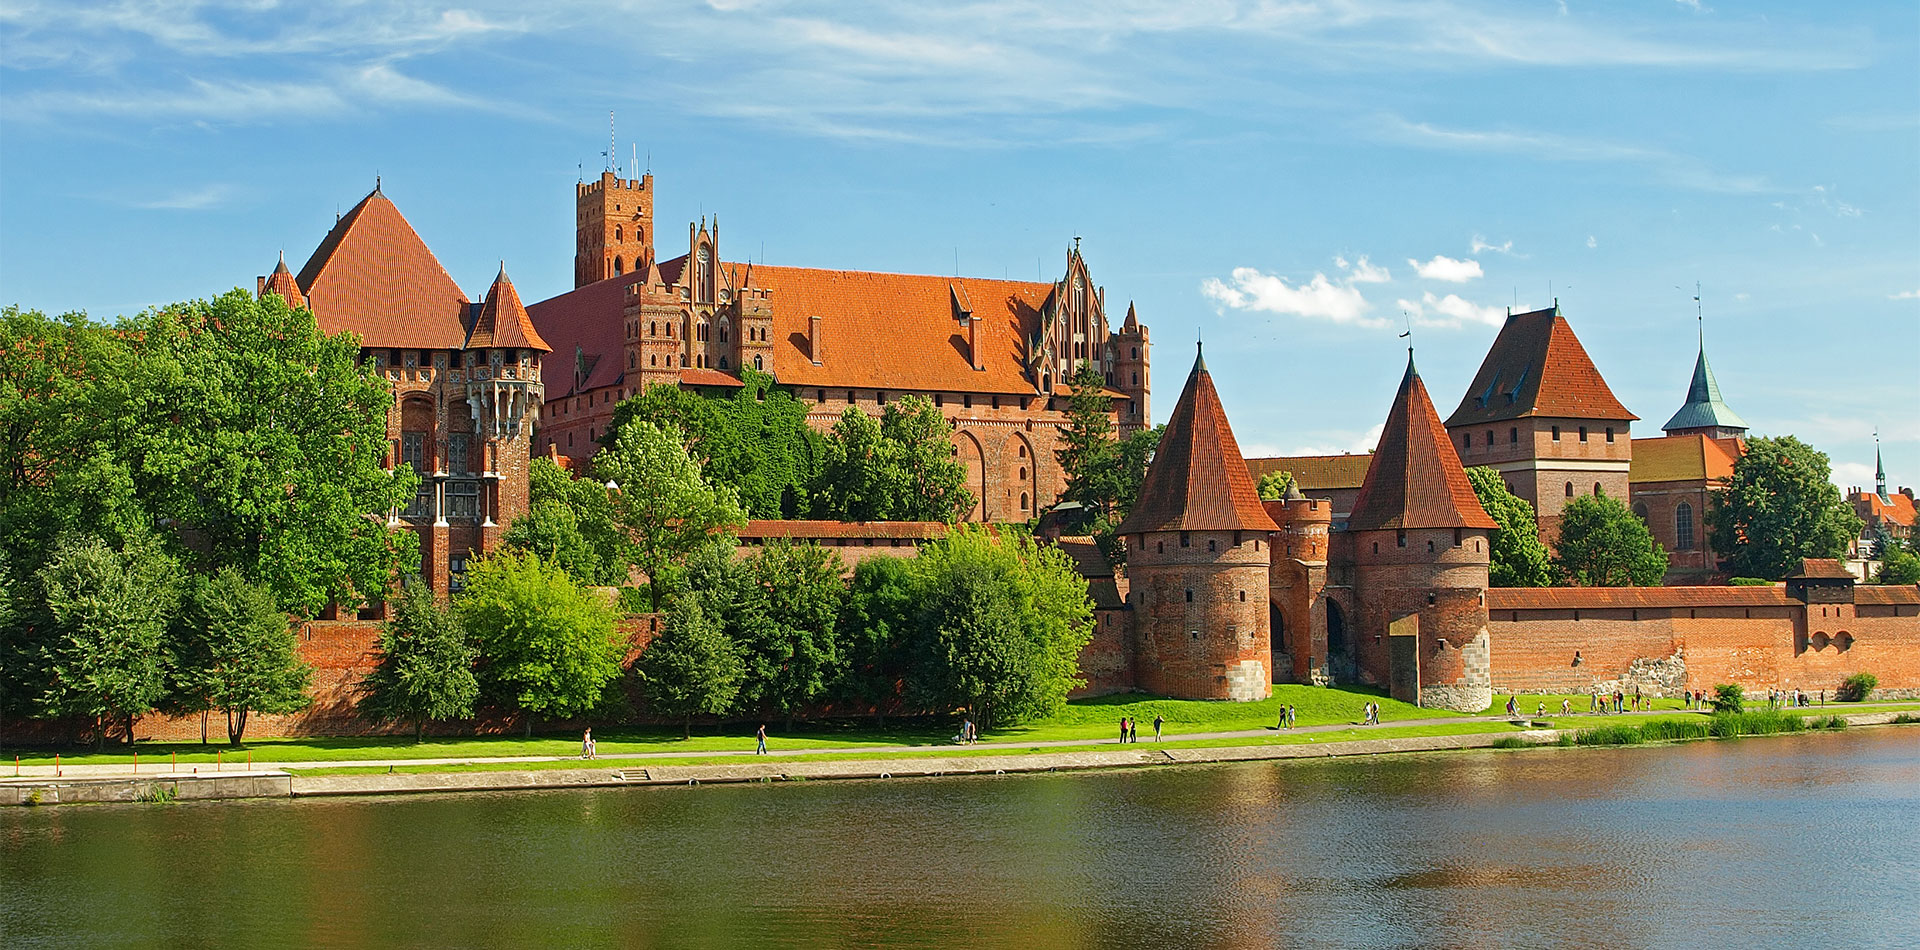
point(1530, 703)
point(1615, 734)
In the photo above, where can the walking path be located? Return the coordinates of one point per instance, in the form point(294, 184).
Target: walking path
point(157, 769)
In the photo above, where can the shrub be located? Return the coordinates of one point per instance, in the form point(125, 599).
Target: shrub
point(1565, 739)
point(1728, 698)
point(1905, 719)
point(1830, 723)
point(1749, 582)
point(1661, 730)
point(1609, 735)
point(1511, 742)
point(1856, 688)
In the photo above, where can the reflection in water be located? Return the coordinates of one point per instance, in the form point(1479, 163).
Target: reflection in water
point(1769, 841)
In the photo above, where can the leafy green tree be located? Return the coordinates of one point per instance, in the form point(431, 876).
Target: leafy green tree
point(1898, 565)
point(784, 616)
point(259, 441)
point(660, 498)
point(1602, 544)
point(1517, 557)
point(1273, 485)
point(1728, 698)
point(876, 626)
point(570, 522)
point(691, 669)
point(425, 671)
point(755, 440)
point(1779, 507)
point(1088, 443)
point(546, 646)
point(900, 467)
point(108, 611)
point(999, 626)
point(236, 652)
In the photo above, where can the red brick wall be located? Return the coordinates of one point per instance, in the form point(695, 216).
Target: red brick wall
point(1106, 662)
point(1188, 648)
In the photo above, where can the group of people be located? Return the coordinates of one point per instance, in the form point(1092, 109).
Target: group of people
point(1780, 698)
point(1287, 717)
point(969, 733)
point(1619, 702)
point(1130, 730)
point(1372, 715)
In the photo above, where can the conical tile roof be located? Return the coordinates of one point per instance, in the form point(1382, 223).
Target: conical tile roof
point(1537, 367)
point(503, 320)
point(1415, 479)
point(372, 275)
point(1704, 408)
point(1198, 480)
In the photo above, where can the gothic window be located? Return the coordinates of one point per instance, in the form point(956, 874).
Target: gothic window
point(618, 234)
point(1136, 352)
point(1683, 527)
point(457, 445)
point(413, 452)
point(1079, 295)
point(1023, 501)
point(1023, 450)
point(1569, 489)
point(1640, 511)
point(1597, 490)
point(723, 362)
point(463, 499)
point(756, 361)
point(619, 266)
point(723, 331)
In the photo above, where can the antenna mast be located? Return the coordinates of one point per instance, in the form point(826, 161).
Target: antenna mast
point(610, 146)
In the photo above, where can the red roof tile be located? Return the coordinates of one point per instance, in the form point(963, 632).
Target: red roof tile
point(585, 325)
point(696, 376)
point(503, 321)
point(1198, 481)
point(1415, 479)
point(1685, 458)
point(1315, 472)
point(1818, 568)
point(374, 277)
point(1886, 594)
point(1897, 509)
point(1601, 598)
point(281, 283)
point(1537, 367)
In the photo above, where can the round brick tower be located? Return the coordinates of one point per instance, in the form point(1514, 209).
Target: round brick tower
point(1198, 560)
point(1297, 583)
point(1420, 557)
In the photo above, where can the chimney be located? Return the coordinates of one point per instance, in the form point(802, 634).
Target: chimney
point(975, 345)
point(815, 345)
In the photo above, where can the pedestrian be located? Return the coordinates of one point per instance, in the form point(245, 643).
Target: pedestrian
point(1543, 711)
point(586, 744)
point(1593, 701)
point(1123, 729)
point(1292, 716)
point(1133, 730)
point(1513, 706)
point(1566, 707)
point(760, 738)
point(1157, 723)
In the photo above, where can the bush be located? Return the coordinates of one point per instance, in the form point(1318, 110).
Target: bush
point(1609, 735)
point(1906, 719)
point(1665, 730)
point(1765, 722)
point(1749, 582)
point(1856, 688)
point(1511, 742)
point(1728, 698)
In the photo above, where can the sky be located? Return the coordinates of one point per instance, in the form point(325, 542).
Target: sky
point(1295, 183)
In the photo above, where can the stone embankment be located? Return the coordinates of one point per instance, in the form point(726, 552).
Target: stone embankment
point(276, 784)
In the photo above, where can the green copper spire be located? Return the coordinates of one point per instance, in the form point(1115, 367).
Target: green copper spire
point(1704, 409)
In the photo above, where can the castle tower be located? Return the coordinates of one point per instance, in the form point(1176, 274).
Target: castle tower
point(1131, 373)
point(281, 284)
point(752, 311)
point(1704, 413)
point(1420, 563)
point(613, 224)
point(503, 399)
point(1297, 585)
point(1540, 414)
point(1198, 560)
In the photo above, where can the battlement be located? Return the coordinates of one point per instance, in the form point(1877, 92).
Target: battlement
point(609, 182)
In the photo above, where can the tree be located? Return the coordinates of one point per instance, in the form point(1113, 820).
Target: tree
point(667, 509)
point(570, 523)
point(108, 612)
point(783, 614)
point(1779, 507)
point(1273, 485)
point(900, 467)
point(1728, 698)
point(236, 652)
point(546, 646)
point(1898, 565)
point(876, 626)
point(755, 440)
point(691, 669)
point(259, 441)
point(1517, 557)
point(999, 626)
point(1087, 443)
point(1602, 544)
point(425, 670)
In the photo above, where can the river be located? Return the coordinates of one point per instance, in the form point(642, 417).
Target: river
point(1799, 841)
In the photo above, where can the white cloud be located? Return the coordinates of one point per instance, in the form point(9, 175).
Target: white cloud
point(1481, 245)
point(1905, 295)
point(1359, 444)
point(1449, 312)
point(1446, 268)
point(192, 199)
point(1592, 241)
point(1363, 271)
point(1317, 299)
point(1681, 171)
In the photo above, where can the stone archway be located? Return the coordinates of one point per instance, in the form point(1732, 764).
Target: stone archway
point(1341, 666)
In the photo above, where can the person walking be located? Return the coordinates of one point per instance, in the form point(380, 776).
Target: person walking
point(1158, 721)
point(1293, 716)
point(1123, 730)
point(760, 739)
point(1566, 707)
point(1133, 730)
point(586, 744)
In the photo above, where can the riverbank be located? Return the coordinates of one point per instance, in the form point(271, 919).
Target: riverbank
point(444, 776)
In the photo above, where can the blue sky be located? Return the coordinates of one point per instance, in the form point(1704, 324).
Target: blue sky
point(1284, 178)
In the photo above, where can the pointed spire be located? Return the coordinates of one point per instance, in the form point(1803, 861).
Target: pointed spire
point(1704, 408)
point(1198, 480)
point(1879, 471)
point(281, 284)
point(503, 319)
point(1415, 479)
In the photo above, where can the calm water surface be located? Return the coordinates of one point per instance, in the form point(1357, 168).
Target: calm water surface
point(1809, 841)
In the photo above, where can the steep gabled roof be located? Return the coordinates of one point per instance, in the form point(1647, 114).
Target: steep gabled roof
point(503, 320)
point(1415, 479)
point(373, 276)
point(1704, 408)
point(1537, 367)
point(591, 321)
point(1198, 481)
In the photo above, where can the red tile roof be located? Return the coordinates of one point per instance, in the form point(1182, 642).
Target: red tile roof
point(696, 376)
point(1818, 568)
point(588, 323)
point(1684, 458)
point(1600, 598)
point(281, 283)
point(1198, 481)
point(1415, 479)
point(1315, 472)
point(1092, 565)
point(503, 321)
point(373, 276)
point(1886, 594)
point(1897, 509)
point(1537, 367)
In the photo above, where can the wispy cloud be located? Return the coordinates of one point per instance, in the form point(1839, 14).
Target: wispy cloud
point(1678, 170)
point(1442, 267)
point(1449, 312)
point(1592, 242)
point(1316, 299)
point(1905, 295)
point(1363, 271)
point(1481, 245)
point(191, 199)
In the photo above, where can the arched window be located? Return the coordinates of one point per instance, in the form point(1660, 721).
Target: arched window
point(1136, 352)
point(1023, 453)
point(756, 361)
point(1640, 511)
point(723, 362)
point(1023, 501)
point(1683, 527)
point(1023, 473)
point(1569, 489)
point(618, 267)
point(618, 234)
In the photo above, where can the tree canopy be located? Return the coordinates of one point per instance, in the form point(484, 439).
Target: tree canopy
point(1517, 557)
point(901, 467)
point(570, 522)
point(662, 501)
point(1273, 485)
point(547, 647)
point(692, 668)
point(1778, 507)
point(755, 440)
point(1898, 564)
point(1602, 544)
point(425, 670)
point(107, 612)
point(237, 652)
